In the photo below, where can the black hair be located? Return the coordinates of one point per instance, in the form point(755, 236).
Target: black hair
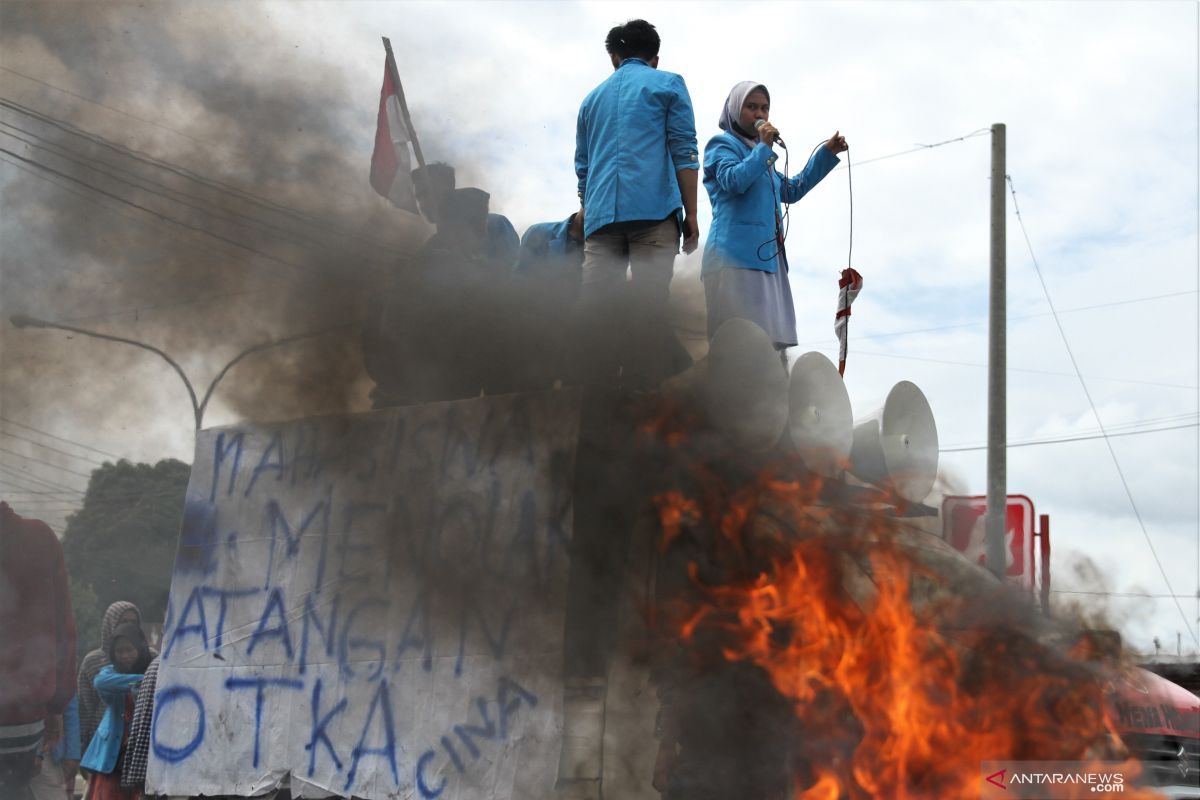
point(635, 39)
point(437, 171)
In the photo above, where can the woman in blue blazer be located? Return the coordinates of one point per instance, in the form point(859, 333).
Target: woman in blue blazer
point(117, 686)
point(744, 267)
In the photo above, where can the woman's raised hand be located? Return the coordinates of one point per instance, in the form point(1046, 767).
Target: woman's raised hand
point(767, 133)
point(837, 143)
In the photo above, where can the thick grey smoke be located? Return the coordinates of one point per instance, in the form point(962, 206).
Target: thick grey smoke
point(248, 220)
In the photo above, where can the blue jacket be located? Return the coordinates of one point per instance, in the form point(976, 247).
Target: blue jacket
point(745, 191)
point(68, 747)
point(547, 247)
point(102, 752)
point(635, 131)
point(502, 240)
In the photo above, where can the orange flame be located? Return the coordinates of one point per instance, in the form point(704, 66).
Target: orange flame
point(924, 690)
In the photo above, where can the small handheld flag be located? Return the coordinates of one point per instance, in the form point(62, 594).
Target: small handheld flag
point(849, 285)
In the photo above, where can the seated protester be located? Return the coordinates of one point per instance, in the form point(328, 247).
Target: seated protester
point(438, 320)
point(546, 282)
point(434, 183)
point(553, 252)
point(461, 237)
point(503, 244)
point(116, 684)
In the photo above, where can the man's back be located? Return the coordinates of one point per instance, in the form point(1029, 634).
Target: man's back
point(37, 656)
point(634, 132)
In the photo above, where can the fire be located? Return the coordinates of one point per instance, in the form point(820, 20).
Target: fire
point(901, 685)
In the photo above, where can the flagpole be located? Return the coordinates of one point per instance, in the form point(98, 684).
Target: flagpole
point(412, 134)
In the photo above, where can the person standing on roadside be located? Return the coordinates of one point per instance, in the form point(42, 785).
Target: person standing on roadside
point(37, 648)
point(91, 707)
point(117, 685)
point(637, 164)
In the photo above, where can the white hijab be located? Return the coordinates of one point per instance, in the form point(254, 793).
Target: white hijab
point(733, 111)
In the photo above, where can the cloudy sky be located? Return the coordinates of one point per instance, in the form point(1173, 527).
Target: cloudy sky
point(1100, 100)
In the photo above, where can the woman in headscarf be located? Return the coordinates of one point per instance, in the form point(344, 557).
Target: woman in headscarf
point(117, 685)
point(91, 709)
point(745, 267)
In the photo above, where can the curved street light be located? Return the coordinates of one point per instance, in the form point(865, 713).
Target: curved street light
point(198, 407)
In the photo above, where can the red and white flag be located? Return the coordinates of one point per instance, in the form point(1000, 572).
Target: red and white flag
point(849, 285)
point(391, 164)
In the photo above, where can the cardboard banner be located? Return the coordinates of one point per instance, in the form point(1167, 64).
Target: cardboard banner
point(372, 605)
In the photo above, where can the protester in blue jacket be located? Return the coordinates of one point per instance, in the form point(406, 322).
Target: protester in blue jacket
point(116, 684)
point(552, 255)
point(637, 164)
point(745, 267)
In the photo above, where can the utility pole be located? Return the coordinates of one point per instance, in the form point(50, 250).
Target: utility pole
point(997, 455)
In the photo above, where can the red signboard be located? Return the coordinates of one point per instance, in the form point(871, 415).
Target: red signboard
point(963, 528)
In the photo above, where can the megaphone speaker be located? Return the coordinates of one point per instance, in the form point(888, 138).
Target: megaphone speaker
point(745, 388)
point(820, 421)
point(897, 446)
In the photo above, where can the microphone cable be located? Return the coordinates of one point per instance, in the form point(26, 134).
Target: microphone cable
point(782, 226)
point(850, 189)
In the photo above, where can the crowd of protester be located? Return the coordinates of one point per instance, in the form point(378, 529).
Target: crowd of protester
point(583, 300)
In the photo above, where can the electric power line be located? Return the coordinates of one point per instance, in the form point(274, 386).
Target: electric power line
point(1037, 442)
point(977, 323)
point(1022, 369)
point(30, 488)
point(152, 212)
point(1087, 393)
point(102, 105)
point(1139, 424)
point(51, 449)
point(118, 209)
point(1119, 594)
point(184, 172)
point(5, 468)
point(59, 438)
point(918, 148)
point(46, 463)
point(292, 235)
point(99, 497)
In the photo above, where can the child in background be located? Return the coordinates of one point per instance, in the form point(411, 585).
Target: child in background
point(117, 686)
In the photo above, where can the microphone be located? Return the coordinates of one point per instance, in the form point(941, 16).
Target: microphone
point(758, 123)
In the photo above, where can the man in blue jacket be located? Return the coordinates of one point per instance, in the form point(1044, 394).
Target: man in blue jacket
point(637, 162)
point(552, 255)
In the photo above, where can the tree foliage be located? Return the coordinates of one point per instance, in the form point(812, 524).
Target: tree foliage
point(121, 544)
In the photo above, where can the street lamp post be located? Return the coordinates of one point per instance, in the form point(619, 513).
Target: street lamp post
point(198, 407)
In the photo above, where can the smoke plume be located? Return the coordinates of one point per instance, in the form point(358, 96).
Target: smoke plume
point(194, 183)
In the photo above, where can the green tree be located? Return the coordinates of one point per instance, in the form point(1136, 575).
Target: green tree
point(121, 544)
point(88, 614)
